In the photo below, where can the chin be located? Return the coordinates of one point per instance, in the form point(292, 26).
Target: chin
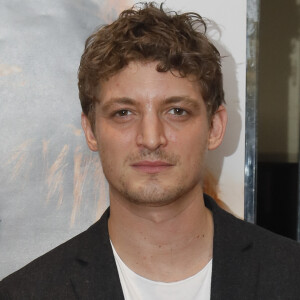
point(153, 195)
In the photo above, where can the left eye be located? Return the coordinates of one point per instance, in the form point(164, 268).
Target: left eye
point(123, 113)
point(177, 111)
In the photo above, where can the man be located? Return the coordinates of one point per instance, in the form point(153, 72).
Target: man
point(150, 86)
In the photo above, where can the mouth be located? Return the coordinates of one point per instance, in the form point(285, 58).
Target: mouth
point(151, 167)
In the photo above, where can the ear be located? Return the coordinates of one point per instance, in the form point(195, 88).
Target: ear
point(217, 128)
point(89, 134)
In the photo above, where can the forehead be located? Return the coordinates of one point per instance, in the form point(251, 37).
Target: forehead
point(142, 82)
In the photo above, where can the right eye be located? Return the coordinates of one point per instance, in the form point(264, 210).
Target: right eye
point(177, 111)
point(123, 113)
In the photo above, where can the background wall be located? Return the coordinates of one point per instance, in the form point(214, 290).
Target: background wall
point(279, 82)
point(278, 118)
point(51, 185)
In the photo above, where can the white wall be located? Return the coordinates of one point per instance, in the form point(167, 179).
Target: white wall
point(227, 162)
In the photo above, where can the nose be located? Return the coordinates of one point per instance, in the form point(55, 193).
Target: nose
point(151, 133)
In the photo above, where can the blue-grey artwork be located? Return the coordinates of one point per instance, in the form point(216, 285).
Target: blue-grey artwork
point(51, 185)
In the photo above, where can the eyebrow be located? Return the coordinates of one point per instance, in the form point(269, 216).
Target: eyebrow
point(115, 101)
point(192, 103)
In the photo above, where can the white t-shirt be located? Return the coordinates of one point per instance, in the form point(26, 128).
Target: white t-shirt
point(136, 287)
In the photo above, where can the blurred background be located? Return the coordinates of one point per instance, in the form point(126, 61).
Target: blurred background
point(278, 114)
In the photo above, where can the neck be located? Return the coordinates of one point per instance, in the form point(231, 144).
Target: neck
point(167, 243)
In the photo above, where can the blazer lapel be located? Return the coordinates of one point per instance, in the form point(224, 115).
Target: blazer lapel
point(234, 273)
point(95, 274)
point(235, 267)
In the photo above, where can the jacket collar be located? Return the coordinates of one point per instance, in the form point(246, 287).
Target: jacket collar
point(235, 266)
point(94, 272)
point(232, 251)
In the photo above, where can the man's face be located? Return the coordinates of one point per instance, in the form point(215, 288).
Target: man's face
point(152, 133)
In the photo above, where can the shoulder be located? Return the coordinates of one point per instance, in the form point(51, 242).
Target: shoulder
point(54, 268)
point(231, 227)
point(261, 237)
point(263, 240)
point(250, 262)
point(37, 275)
point(277, 257)
point(275, 250)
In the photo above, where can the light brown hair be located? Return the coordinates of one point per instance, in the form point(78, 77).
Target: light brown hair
point(148, 32)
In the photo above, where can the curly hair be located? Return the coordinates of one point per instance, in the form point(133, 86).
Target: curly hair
point(147, 32)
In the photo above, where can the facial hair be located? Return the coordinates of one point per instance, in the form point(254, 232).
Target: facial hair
point(152, 192)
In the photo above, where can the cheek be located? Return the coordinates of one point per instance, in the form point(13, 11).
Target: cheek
point(191, 139)
point(113, 143)
point(192, 148)
point(172, 136)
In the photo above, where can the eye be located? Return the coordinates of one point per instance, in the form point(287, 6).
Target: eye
point(178, 111)
point(123, 113)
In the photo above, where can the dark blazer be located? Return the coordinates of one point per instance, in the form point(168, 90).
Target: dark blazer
point(248, 263)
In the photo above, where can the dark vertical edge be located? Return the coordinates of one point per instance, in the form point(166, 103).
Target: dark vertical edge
point(298, 216)
point(251, 111)
point(298, 202)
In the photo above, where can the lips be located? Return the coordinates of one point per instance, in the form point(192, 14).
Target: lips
point(151, 167)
